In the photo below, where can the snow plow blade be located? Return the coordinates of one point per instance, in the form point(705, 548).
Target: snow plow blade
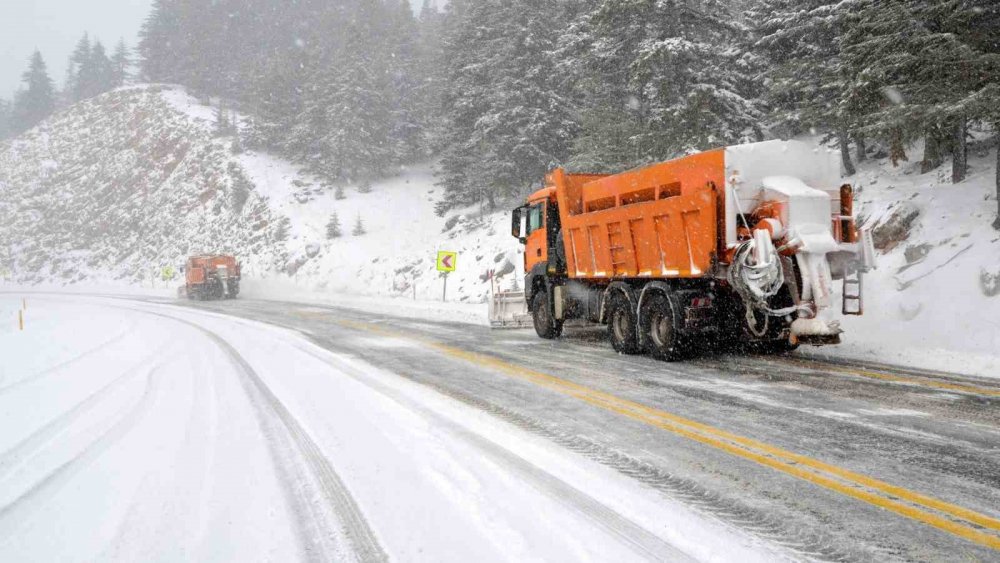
point(508, 309)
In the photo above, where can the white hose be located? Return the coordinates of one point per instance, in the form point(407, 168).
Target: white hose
point(757, 283)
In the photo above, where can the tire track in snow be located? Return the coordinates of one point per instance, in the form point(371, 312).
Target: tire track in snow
point(18, 511)
point(803, 539)
point(10, 459)
point(291, 447)
point(638, 538)
point(49, 371)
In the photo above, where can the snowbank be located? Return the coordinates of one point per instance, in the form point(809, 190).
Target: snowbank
point(927, 305)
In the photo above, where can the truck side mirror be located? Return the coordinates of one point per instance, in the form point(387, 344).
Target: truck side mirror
point(519, 223)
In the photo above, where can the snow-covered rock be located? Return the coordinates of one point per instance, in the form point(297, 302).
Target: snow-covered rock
point(122, 185)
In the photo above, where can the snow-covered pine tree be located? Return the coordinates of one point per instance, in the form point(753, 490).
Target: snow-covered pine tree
point(807, 79)
point(5, 114)
point(79, 59)
point(333, 227)
point(353, 137)
point(507, 119)
point(37, 99)
point(673, 71)
point(463, 100)
point(157, 43)
point(328, 84)
point(283, 229)
point(121, 61)
point(241, 187)
point(222, 125)
point(429, 73)
point(402, 98)
point(338, 194)
point(103, 78)
point(202, 53)
point(936, 59)
point(359, 227)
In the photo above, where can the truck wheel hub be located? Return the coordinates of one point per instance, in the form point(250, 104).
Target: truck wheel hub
point(661, 330)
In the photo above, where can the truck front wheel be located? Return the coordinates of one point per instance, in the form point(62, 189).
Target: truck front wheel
point(622, 325)
point(660, 327)
point(545, 325)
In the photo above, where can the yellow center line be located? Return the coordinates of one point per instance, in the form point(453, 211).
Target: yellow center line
point(964, 388)
point(782, 460)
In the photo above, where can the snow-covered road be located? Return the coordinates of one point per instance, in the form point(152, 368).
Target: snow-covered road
point(136, 431)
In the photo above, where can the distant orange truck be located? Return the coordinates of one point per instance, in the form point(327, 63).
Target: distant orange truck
point(212, 277)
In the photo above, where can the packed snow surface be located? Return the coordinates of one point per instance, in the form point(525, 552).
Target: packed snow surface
point(136, 431)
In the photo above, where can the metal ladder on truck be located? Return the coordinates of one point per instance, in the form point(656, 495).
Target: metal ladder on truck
point(854, 301)
point(616, 246)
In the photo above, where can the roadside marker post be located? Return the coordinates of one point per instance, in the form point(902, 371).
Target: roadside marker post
point(447, 262)
point(20, 320)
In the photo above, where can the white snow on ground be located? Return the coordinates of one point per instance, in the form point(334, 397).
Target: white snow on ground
point(933, 313)
point(398, 251)
point(401, 241)
point(131, 432)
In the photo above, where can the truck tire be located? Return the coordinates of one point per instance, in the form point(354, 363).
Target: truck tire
point(661, 328)
point(622, 325)
point(545, 325)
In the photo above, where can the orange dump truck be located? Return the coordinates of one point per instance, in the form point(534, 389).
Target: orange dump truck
point(741, 243)
point(212, 277)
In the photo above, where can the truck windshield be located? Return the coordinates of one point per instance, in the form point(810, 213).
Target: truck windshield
point(535, 215)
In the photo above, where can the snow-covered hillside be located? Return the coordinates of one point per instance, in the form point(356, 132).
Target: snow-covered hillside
point(398, 251)
point(121, 186)
point(934, 301)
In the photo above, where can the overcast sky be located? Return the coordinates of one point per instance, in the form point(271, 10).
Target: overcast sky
point(54, 26)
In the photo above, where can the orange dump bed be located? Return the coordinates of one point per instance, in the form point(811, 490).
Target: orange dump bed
point(658, 221)
point(198, 265)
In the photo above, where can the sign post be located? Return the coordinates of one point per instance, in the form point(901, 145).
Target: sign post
point(447, 262)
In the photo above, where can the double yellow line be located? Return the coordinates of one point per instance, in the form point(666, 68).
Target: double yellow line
point(962, 522)
point(943, 385)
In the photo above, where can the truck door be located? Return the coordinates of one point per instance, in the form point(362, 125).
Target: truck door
point(536, 245)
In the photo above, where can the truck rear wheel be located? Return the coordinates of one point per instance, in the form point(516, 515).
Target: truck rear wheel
point(545, 324)
point(661, 328)
point(622, 325)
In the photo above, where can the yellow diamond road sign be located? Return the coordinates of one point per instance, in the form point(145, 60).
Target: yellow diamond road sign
point(447, 261)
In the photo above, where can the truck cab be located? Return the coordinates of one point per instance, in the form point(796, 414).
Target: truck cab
point(536, 225)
